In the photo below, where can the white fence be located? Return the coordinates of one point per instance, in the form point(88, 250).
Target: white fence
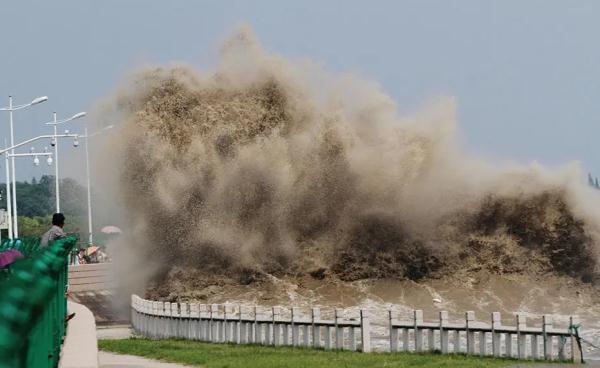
point(478, 338)
point(250, 325)
point(351, 330)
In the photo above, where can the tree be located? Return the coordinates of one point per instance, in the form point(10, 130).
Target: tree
point(33, 226)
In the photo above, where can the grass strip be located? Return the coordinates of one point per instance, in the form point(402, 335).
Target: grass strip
point(209, 355)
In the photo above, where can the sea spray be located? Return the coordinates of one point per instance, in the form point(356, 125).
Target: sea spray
point(269, 166)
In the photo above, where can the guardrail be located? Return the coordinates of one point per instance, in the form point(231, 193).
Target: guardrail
point(478, 338)
point(33, 308)
point(351, 330)
point(250, 325)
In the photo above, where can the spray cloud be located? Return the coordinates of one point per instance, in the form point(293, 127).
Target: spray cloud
point(270, 166)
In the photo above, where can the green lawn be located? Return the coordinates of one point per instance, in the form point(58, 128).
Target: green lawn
point(250, 356)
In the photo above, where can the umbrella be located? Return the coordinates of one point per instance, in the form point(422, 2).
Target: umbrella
point(91, 250)
point(111, 230)
point(8, 257)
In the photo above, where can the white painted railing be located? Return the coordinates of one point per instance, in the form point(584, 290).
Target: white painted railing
point(478, 338)
point(351, 330)
point(250, 325)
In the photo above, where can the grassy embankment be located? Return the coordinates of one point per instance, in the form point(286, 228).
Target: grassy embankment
point(250, 356)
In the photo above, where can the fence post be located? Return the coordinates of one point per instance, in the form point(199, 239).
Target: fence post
point(393, 333)
point(546, 327)
point(227, 332)
point(239, 329)
point(195, 321)
point(144, 310)
point(443, 332)
point(153, 312)
point(418, 320)
point(365, 332)
point(305, 334)
point(133, 310)
point(160, 312)
point(521, 324)
point(276, 329)
point(339, 332)
point(285, 331)
point(211, 331)
point(205, 322)
point(294, 329)
point(470, 318)
point(235, 328)
point(175, 313)
point(327, 337)
point(257, 336)
point(168, 326)
point(575, 349)
point(185, 321)
point(482, 343)
point(316, 330)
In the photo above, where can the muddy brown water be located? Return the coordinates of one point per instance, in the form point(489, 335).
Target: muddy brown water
point(560, 296)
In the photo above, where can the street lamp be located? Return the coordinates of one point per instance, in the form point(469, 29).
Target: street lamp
point(10, 109)
point(54, 142)
point(36, 161)
point(6, 151)
point(87, 173)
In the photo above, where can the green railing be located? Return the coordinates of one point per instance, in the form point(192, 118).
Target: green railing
point(33, 306)
point(28, 245)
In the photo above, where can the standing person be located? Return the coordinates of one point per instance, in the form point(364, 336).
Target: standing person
point(56, 231)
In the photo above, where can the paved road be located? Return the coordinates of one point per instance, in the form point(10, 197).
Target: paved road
point(110, 360)
point(102, 304)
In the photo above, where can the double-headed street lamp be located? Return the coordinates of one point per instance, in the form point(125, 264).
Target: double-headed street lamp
point(6, 153)
point(10, 108)
point(54, 142)
point(87, 173)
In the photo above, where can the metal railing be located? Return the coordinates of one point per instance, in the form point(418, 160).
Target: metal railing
point(33, 307)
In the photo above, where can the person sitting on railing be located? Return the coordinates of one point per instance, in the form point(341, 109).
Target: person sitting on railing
point(56, 231)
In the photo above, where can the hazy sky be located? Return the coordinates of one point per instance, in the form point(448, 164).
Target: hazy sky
point(525, 74)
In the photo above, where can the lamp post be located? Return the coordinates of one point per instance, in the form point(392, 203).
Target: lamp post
point(55, 123)
point(8, 195)
point(10, 109)
point(6, 151)
point(36, 162)
point(87, 173)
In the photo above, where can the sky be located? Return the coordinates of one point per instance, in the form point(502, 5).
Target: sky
point(525, 74)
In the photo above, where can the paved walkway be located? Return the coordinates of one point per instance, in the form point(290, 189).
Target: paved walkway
point(110, 360)
point(114, 332)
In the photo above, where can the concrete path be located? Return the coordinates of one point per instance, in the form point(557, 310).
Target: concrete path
point(110, 360)
point(80, 349)
point(114, 332)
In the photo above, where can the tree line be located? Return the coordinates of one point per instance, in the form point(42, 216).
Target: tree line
point(36, 204)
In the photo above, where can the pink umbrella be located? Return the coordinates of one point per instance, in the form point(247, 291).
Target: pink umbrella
point(8, 257)
point(111, 230)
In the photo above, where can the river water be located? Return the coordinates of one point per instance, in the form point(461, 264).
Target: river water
point(559, 296)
